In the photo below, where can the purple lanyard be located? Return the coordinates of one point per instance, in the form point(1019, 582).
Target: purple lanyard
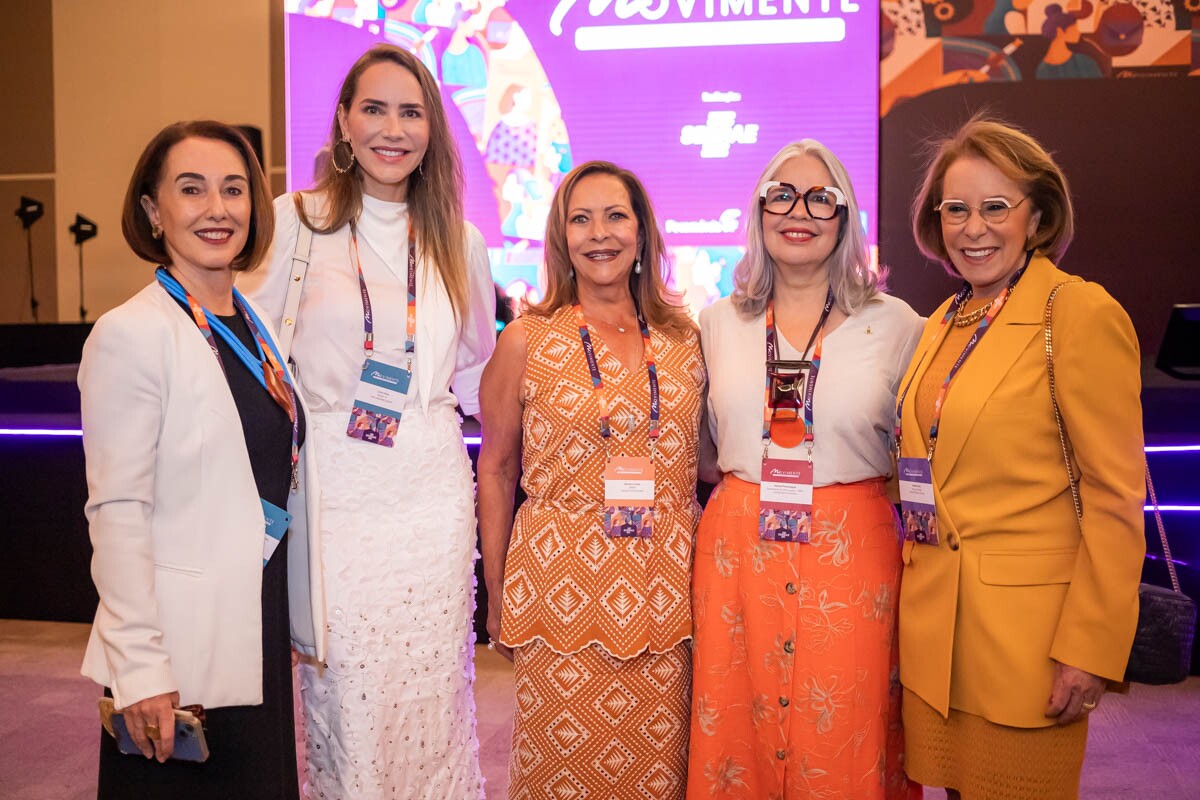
point(810, 385)
point(984, 326)
point(598, 383)
point(410, 340)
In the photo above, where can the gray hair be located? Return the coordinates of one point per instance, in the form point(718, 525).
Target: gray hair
point(851, 278)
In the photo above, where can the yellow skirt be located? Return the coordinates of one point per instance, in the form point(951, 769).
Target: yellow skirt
point(986, 761)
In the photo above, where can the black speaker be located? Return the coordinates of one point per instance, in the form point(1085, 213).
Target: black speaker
point(253, 135)
point(1179, 355)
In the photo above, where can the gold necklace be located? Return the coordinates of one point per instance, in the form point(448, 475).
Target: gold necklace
point(620, 328)
point(962, 320)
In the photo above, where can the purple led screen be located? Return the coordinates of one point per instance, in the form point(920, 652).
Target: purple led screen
point(694, 97)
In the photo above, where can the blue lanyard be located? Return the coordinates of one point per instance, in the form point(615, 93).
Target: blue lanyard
point(252, 361)
point(259, 367)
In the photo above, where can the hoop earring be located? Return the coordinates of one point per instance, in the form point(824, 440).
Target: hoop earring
point(334, 159)
point(421, 171)
point(637, 267)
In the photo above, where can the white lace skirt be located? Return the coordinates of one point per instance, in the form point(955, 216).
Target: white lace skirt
point(393, 715)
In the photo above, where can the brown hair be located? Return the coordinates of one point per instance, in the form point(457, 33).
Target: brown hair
point(434, 189)
point(661, 307)
point(1016, 154)
point(147, 175)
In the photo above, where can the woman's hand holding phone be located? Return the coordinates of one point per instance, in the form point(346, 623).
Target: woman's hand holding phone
point(157, 712)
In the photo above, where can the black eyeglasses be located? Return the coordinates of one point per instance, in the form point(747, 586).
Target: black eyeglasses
point(821, 202)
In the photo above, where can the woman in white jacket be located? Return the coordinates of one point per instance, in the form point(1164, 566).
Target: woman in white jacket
point(393, 325)
point(194, 439)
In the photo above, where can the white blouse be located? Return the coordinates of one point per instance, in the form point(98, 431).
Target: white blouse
point(862, 362)
point(328, 344)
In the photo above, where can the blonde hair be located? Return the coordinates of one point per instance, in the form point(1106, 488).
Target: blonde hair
point(661, 307)
point(851, 278)
point(435, 189)
point(1016, 154)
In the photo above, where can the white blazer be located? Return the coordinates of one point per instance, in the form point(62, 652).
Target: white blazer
point(175, 518)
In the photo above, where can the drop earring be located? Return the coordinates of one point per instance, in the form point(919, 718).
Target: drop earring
point(637, 267)
point(333, 157)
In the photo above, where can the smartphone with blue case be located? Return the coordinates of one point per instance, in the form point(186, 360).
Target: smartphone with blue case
point(190, 744)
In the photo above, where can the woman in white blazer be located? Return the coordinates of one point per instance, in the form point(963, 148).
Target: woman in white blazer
point(390, 298)
point(193, 439)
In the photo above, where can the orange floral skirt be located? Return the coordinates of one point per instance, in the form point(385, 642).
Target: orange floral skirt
point(796, 691)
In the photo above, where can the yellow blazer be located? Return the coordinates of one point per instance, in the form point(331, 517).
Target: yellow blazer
point(1013, 585)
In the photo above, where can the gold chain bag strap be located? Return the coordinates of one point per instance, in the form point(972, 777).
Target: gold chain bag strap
point(1162, 646)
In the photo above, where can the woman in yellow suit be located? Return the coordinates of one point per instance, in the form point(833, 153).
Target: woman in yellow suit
point(1012, 618)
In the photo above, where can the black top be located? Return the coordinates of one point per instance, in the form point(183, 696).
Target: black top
point(265, 424)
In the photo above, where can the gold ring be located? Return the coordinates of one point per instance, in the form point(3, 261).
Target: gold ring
point(151, 731)
point(1088, 706)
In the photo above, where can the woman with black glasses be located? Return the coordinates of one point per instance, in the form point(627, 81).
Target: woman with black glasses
point(797, 562)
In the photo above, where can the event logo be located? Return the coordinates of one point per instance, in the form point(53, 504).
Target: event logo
point(704, 23)
point(728, 223)
point(718, 134)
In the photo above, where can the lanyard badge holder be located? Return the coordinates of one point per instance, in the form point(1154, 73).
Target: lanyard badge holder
point(785, 489)
point(383, 386)
point(628, 480)
point(918, 510)
point(267, 367)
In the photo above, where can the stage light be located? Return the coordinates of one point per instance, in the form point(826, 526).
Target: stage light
point(83, 229)
point(29, 212)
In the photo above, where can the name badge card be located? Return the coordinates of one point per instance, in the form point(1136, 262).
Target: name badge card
point(629, 497)
point(277, 523)
point(378, 402)
point(785, 500)
point(918, 511)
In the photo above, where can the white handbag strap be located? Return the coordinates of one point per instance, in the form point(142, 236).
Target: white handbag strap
point(291, 305)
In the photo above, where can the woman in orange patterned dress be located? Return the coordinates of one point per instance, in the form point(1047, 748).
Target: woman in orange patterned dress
point(604, 379)
point(796, 691)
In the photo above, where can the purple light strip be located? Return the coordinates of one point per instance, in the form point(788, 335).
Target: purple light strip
point(477, 440)
point(1153, 557)
point(470, 440)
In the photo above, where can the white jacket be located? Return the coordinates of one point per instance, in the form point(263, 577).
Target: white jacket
point(175, 518)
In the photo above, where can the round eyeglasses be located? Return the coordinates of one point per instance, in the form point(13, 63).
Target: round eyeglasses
point(993, 210)
point(821, 202)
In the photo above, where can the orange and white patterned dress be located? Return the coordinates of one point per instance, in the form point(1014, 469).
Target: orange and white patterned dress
point(601, 627)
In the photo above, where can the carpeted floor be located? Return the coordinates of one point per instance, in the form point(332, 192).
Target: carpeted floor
point(1144, 745)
